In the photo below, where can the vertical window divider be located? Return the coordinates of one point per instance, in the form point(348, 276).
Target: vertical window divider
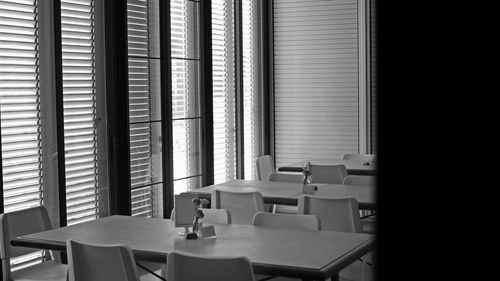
point(239, 116)
point(117, 106)
point(266, 59)
point(207, 154)
point(61, 173)
point(166, 107)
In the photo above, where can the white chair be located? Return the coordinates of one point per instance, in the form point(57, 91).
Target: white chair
point(219, 216)
point(359, 180)
point(286, 177)
point(289, 221)
point(333, 174)
point(265, 167)
point(287, 209)
point(359, 157)
point(241, 206)
point(100, 262)
point(334, 214)
point(25, 222)
point(183, 266)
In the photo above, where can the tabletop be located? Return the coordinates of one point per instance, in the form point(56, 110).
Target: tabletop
point(354, 167)
point(302, 254)
point(287, 193)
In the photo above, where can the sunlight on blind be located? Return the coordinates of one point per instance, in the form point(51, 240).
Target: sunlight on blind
point(20, 105)
point(20, 111)
point(80, 139)
point(223, 45)
point(186, 116)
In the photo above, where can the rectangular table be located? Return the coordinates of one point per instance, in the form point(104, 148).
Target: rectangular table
point(285, 252)
point(287, 193)
point(354, 167)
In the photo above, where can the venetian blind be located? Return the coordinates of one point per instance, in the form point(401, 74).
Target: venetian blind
point(20, 111)
point(139, 107)
point(79, 95)
point(144, 108)
point(186, 110)
point(315, 79)
point(223, 57)
point(250, 86)
point(19, 105)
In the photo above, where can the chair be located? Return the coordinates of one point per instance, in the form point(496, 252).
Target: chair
point(219, 216)
point(333, 174)
point(100, 262)
point(334, 214)
point(186, 266)
point(265, 167)
point(285, 178)
point(241, 206)
point(25, 222)
point(360, 157)
point(359, 180)
point(289, 221)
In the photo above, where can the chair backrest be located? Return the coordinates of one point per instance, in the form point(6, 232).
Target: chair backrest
point(19, 223)
point(186, 266)
point(286, 177)
point(290, 221)
point(360, 157)
point(359, 180)
point(335, 214)
point(265, 167)
point(100, 262)
point(328, 173)
point(219, 216)
point(241, 206)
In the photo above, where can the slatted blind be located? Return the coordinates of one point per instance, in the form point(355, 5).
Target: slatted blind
point(139, 107)
point(250, 86)
point(20, 105)
point(223, 57)
point(315, 79)
point(79, 95)
point(144, 103)
point(186, 114)
point(20, 112)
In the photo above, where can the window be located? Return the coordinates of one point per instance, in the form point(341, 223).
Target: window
point(80, 124)
point(224, 90)
point(319, 92)
point(27, 111)
point(144, 108)
point(186, 111)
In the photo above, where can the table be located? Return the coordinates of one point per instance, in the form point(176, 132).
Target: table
point(287, 193)
point(354, 167)
point(285, 252)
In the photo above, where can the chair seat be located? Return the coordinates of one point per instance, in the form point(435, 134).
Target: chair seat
point(50, 271)
point(287, 209)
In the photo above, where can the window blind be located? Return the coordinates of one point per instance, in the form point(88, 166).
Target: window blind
point(223, 58)
point(250, 87)
point(139, 107)
point(186, 113)
point(20, 112)
point(144, 108)
point(373, 76)
point(315, 79)
point(19, 105)
point(79, 98)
